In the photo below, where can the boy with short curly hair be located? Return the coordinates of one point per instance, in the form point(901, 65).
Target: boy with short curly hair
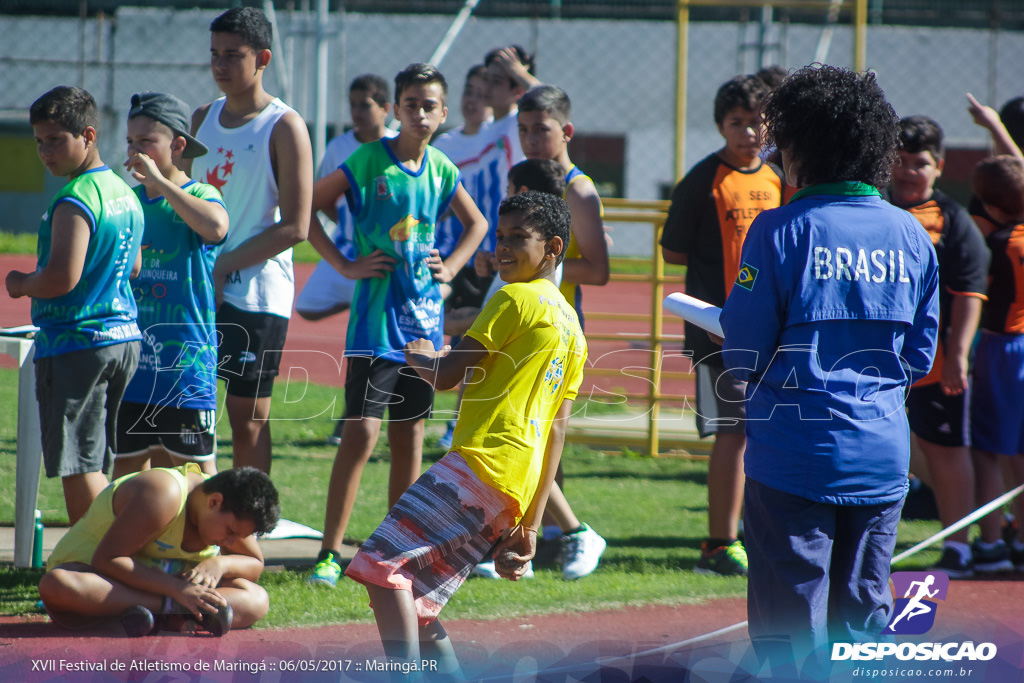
point(527, 352)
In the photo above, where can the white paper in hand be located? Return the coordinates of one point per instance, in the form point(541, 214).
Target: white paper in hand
point(700, 313)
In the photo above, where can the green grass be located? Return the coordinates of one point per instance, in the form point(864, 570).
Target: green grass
point(637, 265)
point(652, 512)
point(17, 243)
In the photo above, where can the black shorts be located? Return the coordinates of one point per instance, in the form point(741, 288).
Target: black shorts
point(373, 384)
point(184, 432)
point(468, 289)
point(249, 351)
point(936, 417)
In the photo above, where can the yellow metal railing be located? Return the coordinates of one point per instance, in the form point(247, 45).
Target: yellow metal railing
point(652, 440)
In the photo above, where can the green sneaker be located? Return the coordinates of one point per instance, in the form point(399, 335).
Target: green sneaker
point(726, 560)
point(326, 572)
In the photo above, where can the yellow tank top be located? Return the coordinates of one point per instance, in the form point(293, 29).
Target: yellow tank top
point(80, 542)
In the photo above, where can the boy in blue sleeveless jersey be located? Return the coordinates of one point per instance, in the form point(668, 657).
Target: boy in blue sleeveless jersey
point(397, 190)
point(87, 346)
point(836, 287)
point(168, 411)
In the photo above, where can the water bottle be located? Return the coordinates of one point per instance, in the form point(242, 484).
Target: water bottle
point(37, 542)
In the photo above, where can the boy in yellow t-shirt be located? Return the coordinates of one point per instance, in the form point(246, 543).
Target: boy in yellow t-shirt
point(527, 352)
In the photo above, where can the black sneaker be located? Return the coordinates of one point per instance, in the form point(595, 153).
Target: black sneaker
point(138, 621)
point(218, 623)
point(953, 563)
point(992, 560)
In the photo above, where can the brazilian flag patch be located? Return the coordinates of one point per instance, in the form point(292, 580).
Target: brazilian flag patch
point(747, 276)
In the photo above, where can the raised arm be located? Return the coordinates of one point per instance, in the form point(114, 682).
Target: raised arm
point(208, 219)
point(508, 60)
point(988, 118)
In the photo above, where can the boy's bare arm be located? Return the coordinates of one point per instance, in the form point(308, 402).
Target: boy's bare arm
point(988, 118)
point(965, 314)
point(591, 266)
point(292, 159)
point(241, 560)
point(475, 229)
point(677, 258)
point(507, 58)
point(69, 244)
point(520, 545)
point(198, 116)
point(143, 508)
point(326, 193)
point(374, 265)
point(444, 368)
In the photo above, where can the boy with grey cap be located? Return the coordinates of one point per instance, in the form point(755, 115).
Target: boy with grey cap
point(168, 411)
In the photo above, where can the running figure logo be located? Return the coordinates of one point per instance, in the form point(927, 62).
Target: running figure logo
point(914, 613)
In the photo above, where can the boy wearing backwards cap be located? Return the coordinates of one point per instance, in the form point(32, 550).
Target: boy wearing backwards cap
point(168, 409)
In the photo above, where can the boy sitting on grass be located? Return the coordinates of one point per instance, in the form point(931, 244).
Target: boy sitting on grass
point(148, 545)
point(527, 352)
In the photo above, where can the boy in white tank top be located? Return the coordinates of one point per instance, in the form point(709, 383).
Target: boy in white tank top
point(261, 160)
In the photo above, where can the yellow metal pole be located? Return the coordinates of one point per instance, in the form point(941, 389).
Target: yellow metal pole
point(682, 35)
point(656, 345)
point(860, 48)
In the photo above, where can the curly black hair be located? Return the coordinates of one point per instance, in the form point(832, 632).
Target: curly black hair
point(248, 494)
point(545, 213)
point(835, 124)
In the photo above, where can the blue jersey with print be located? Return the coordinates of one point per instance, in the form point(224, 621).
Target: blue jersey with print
point(175, 296)
point(834, 313)
point(396, 210)
point(100, 310)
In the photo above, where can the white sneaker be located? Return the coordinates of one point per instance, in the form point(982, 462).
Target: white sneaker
point(581, 553)
point(486, 570)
